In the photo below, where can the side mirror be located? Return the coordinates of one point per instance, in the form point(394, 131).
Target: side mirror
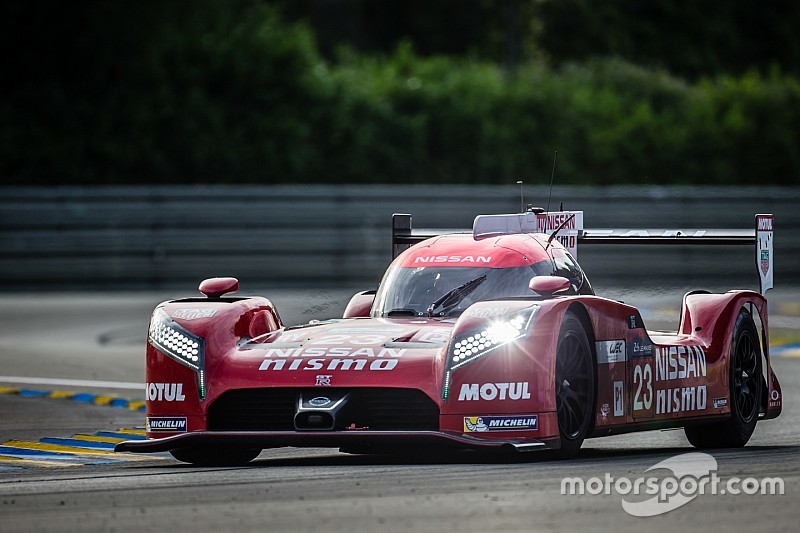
point(360, 305)
point(216, 287)
point(548, 286)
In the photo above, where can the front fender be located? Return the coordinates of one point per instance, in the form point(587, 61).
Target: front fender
point(513, 382)
point(177, 388)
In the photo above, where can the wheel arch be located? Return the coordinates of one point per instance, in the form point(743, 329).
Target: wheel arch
point(583, 316)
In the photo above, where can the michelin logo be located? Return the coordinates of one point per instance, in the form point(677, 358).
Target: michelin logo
point(479, 424)
point(172, 424)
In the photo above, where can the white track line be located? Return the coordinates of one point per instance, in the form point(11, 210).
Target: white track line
point(72, 383)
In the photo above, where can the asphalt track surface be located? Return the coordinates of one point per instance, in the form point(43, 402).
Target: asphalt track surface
point(99, 337)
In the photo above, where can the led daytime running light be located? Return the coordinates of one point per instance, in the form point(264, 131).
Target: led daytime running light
point(498, 333)
point(175, 341)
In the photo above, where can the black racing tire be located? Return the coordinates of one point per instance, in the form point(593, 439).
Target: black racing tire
point(213, 456)
point(746, 380)
point(574, 386)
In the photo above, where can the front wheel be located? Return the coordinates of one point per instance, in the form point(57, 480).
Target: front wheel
point(574, 386)
point(212, 456)
point(745, 392)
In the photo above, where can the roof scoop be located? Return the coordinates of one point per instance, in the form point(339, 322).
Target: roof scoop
point(216, 287)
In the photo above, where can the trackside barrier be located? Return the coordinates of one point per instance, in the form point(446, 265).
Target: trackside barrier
point(77, 238)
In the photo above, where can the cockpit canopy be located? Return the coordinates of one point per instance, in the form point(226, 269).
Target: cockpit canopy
point(443, 276)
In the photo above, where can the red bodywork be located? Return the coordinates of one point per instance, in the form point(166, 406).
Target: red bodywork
point(253, 366)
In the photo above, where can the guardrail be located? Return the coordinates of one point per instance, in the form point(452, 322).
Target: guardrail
point(156, 237)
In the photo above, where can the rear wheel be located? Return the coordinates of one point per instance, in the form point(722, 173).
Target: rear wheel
point(574, 386)
point(745, 392)
point(212, 456)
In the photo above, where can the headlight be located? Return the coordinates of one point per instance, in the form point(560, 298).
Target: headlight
point(476, 344)
point(175, 341)
point(470, 346)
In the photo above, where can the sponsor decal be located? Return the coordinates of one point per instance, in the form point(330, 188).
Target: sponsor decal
point(605, 410)
point(619, 399)
point(640, 347)
point(453, 259)
point(165, 392)
point(171, 424)
point(319, 401)
point(672, 363)
point(193, 314)
point(328, 364)
point(487, 312)
point(360, 339)
point(337, 351)
point(610, 351)
point(680, 362)
point(645, 233)
point(479, 424)
point(323, 381)
point(635, 322)
point(342, 358)
point(568, 236)
point(720, 402)
point(775, 399)
point(494, 391)
point(546, 222)
point(474, 424)
point(764, 251)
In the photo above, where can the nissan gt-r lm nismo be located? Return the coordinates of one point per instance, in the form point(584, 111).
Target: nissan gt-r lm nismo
point(490, 339)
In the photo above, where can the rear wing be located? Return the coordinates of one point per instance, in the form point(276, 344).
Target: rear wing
point(569, 230)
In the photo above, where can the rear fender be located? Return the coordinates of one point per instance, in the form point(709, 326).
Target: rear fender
point(712, 317)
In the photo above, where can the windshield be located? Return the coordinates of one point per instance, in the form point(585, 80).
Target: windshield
point(413, 291)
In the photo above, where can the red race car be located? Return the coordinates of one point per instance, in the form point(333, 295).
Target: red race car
point(490, 339)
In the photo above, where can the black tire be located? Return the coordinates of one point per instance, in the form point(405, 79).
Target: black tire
point(745, 392)
point(574, 386)
point(208, 456)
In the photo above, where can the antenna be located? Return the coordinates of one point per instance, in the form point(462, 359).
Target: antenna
point(552, 175)
point(521, 198)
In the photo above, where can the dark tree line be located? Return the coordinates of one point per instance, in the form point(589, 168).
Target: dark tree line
point(691, 38)
point(477, 91)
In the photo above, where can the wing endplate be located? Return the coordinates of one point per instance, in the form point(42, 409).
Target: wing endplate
point(764, 251)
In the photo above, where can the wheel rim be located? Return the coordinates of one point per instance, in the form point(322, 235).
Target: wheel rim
point(745, 377)
point(572, 385)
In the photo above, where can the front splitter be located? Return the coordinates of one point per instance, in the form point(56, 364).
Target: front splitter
point(329, 439)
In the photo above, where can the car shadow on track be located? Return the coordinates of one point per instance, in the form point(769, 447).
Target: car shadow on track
point(587, 456)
